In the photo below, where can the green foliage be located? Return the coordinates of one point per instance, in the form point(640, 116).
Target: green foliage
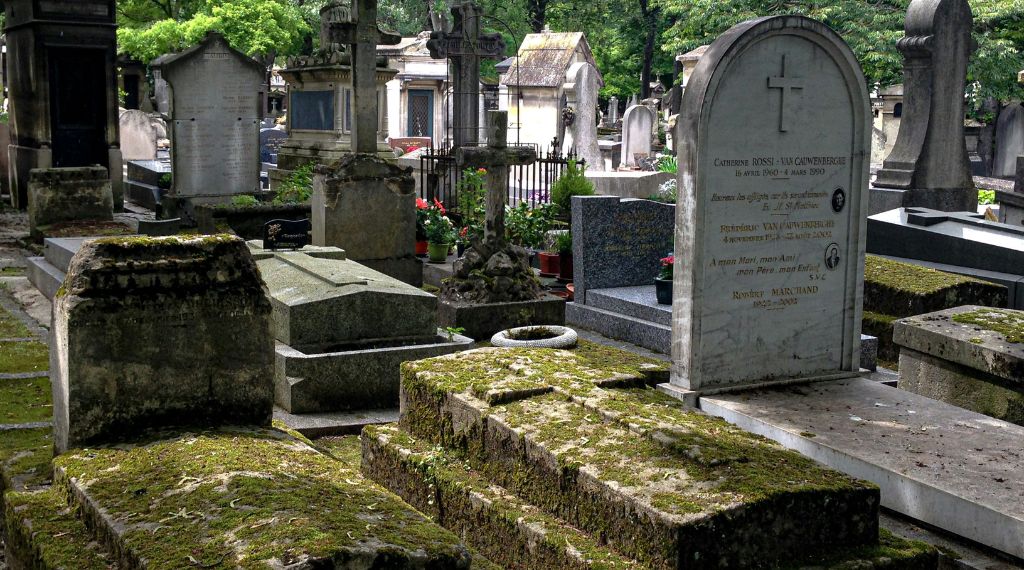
point(667, 192)
point(165, 181)
point(251, 26)
point(572, 182)
point(986, 197)
point(668, 163)
point(437, 226)
point(472, 204)
point(564, 243)
point(452, 331)
point(244, 201)
point(526, 226)
point(298, 188)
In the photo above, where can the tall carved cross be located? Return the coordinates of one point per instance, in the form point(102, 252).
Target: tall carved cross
point(785, 84)
point(466, 46)
point(496, 157)
point(363, 35)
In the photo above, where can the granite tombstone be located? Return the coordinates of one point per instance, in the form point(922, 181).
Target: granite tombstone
point(774, 139)
point(636, 135)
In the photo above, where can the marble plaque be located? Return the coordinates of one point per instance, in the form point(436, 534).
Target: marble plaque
point(770, 221)
point(312, 110)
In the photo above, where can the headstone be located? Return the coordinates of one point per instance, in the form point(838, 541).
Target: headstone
point(285, 234)
point(928, 165)
point(138, 137)
point(618, 243)
point(216, 93)
point(613, 111)
point(774, 139)
point(465, 46)
point(367, 206)
point(363, 37)
point(581, 88)
point(1009, 140)
point(270, 142)
point(163, 332)
point(68, 194)
point(636, 135)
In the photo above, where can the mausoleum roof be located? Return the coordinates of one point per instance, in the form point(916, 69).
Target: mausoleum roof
point(545, 57)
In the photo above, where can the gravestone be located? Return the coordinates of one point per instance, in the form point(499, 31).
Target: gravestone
point(367, 206)
point(636, 135)
point(465, 45)
point(581, 87)
point(138, 137)
point(216, 95)
point(1009, 140)
point(270, 142)
point(774, 139)
point(613, 112)
point(928, 166)
point(162, 332)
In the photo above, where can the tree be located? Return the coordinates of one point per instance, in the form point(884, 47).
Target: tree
point(251, 26)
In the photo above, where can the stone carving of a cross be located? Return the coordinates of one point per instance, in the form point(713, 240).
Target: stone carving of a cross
point(785, 84)
point(496, 157)
point(363, 35)
point(466, 46)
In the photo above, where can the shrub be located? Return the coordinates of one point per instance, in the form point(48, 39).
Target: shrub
point(572, 182)
point(526, 227)
point(244, 200)
point(298, 188)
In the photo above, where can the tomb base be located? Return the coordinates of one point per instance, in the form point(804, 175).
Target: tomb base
point(942, 199)
point(482, 320)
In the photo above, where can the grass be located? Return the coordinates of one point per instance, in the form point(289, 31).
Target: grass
point(16, 357)
point(11, 326)
point(25, 400)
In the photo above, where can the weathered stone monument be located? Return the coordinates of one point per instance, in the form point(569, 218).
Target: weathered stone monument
point(66, 195)
point(465, 46)
point(159, 332)
point(216, 93)
point(1009, 140)
point(637, 123)
point(774, 135)
point(61, 78)
point(321, 107)
point(138, 136)
point(582, 83)
point(928, 166)
point(493, 286)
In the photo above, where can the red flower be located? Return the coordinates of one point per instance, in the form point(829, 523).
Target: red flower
point(464, 231)
point(421, 204)
point(440, 207)
point(481, 171)
point(666, 261)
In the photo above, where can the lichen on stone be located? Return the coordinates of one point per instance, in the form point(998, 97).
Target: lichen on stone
point(44, 532)
point(1008, 323)
point(909, 277)
point(25, 456)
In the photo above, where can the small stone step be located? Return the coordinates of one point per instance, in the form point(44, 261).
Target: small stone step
point(245, 497)
point(43, 533)
point(44, 276)
point(660, 483)
point(492, 520)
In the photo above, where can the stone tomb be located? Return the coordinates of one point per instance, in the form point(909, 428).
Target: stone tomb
point(68, 194)
point(343, 329)
point(775, 138)
point(154, 332)
point(636, 135)
point(970, 356)
point(142, 185)
point(958, 242)
point(617, 247)
point(216, 93)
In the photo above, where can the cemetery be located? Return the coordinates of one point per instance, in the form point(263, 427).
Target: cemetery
point(496, 284)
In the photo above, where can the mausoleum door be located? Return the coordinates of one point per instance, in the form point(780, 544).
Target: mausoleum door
point(421, 113)
point(78, 106)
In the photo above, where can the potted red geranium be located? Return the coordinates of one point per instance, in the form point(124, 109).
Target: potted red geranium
point(421, 232)
point(663, 282)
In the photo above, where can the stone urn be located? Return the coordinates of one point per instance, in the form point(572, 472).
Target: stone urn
point(543, 336)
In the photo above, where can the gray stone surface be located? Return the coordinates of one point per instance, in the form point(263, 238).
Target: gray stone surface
point(1009, 140)
point(868, 352)
point(618, 243)
point(640, 184)
point(929, 160)
point(1018, 178)
point(335, 423)
point(366, 206)
point(637, 123)
point(482, 320)
point(1011, 207)
point(171, 331)
point(216, 107)
point(770, 220)
point(620, 326)
point(68, 194)
point(582, 82)
point(945, 466)
point(138, 137)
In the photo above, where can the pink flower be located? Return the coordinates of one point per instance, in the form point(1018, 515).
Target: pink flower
point(421, 204)
point(440, 207)
point(666, 261)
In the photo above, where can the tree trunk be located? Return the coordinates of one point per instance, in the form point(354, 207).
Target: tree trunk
point(650, 17)
point(538, 14)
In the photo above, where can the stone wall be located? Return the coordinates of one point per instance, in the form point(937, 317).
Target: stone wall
point(68, 194)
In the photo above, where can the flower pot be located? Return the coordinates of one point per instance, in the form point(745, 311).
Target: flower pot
point(571, 288)
point(663, 290)
point(421, 247)
point(438, 252)
point(565, 267)
point(460, 248)
point(549, 264)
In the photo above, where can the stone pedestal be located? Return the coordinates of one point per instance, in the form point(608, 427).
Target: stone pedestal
point(68, 194)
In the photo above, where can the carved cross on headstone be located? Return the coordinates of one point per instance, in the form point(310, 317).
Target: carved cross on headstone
point(496, 157)
point(785, 84)
point(363, 35)
point(466, 46)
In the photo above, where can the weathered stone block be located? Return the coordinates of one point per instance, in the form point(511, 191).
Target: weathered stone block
point(68, 194)
point(159, 331)
point(970, 356)
point(903, 289)
point(482, 320)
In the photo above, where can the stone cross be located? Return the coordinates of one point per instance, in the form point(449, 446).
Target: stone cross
point(496, 157)
point(363, 35)
point(465, 46)
point(785, 84)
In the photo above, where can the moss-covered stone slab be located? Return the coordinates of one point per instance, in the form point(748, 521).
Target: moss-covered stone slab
point(903, 289)
point(18, 357)
point(661, 483)
point(43, 533)
point(246, 498)
point(500, 525)
point(25, 456)
point(25, 400)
